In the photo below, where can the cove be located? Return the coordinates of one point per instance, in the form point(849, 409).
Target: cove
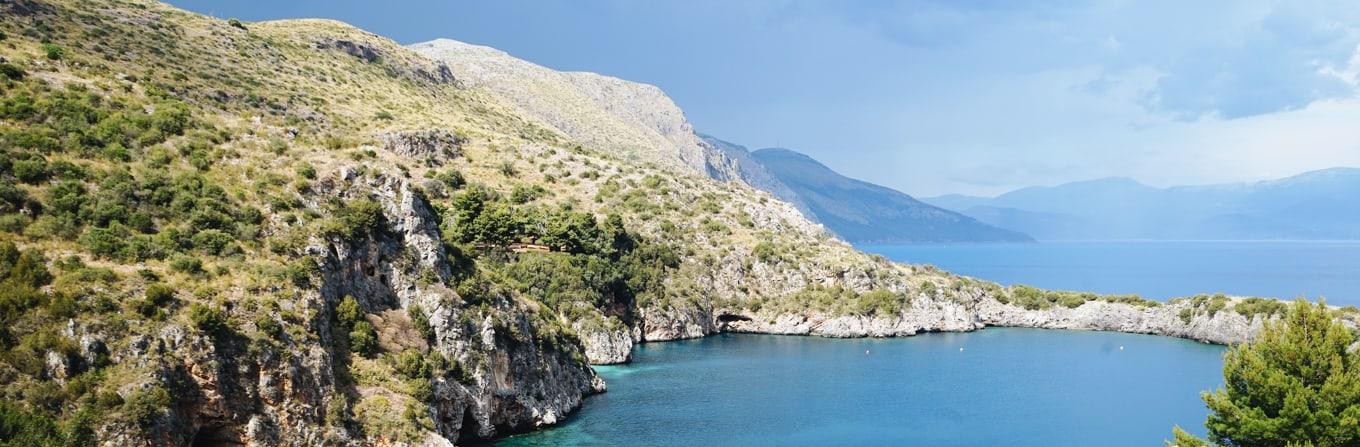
point(1016, 387)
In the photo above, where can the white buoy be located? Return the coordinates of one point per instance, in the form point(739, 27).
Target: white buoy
point(866, 352)
point(960, 349)
point(1121, 348)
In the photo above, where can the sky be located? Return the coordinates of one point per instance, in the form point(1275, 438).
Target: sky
point(932, 96)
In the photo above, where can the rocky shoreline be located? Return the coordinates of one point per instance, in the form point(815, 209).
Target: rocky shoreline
point(1224, 327)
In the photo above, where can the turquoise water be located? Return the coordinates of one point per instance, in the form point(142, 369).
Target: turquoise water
point(1159, 270)
point(1014, 387)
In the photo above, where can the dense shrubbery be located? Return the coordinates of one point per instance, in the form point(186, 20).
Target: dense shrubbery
point(837, 301)
point(1032, 298)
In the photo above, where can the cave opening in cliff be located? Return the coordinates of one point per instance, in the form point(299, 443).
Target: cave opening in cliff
point(215, 436)
point(467, 431)
point(728, 318)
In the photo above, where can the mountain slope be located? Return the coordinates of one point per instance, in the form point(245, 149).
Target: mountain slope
point(864, 212)
point(623, 117)
point(1305, 206)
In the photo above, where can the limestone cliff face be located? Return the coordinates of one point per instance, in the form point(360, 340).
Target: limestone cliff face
point(517, 384)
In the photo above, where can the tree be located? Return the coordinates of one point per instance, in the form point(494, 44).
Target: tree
point(1297, 384)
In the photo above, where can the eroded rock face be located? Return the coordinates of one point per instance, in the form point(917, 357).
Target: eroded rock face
point(435, 147)
point(605, 346)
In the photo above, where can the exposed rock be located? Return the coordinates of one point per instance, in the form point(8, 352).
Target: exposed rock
point(605, 346)
point(433, 146)
point(59, 367)
point(1223, 327)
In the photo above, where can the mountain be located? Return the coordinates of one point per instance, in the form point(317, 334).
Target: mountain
point(864, 212)
point(1311, 205)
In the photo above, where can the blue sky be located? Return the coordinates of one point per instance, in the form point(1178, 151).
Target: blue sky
point(933, 97)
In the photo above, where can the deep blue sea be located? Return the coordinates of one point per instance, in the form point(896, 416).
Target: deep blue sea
point(1158, 270)
point(1011, 387)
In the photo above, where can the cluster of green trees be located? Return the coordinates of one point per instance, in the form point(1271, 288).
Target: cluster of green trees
point(477, 215)
point(1297, 384)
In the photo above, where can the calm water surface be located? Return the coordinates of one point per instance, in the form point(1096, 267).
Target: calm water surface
point(1159, 270)
point(1014, 387)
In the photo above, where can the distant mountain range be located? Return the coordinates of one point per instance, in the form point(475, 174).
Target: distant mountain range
point(855, 210)
point(1322, 204)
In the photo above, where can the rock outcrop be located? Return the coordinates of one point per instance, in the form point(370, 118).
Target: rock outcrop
point(1223, 327)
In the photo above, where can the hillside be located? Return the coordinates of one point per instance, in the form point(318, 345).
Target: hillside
point(1304, 206)
point(864, 212)
point(297, 230)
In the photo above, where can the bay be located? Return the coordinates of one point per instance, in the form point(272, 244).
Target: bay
point(998, 386)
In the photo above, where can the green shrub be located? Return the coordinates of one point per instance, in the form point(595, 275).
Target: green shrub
point(348, 312)
point(53, 52)
point(209, 319)
point(32, 170)
point(159, 294)
point(451, 178)
point(524, 194)
point(144, 407)
point(234, 23)
point(764, 251)
point(27, 268)
point(353, 220)
point(213, 242)
point(187, 264)
point(268, 326)
point(421, 321)
point(19, 427)
point(363, 339)
point(12, 72)
point(307, 171)
point(411, 364)
point(300, 272)
point(1251, 307)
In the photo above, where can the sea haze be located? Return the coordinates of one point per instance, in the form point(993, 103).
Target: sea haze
point(1156, 269)
point(998, 386)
